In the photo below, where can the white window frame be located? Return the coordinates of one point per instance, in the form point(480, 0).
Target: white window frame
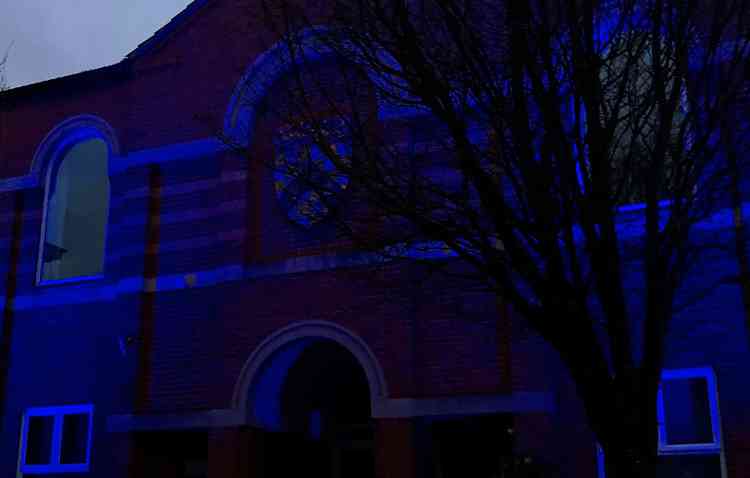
point(57, 414)
point(715, 446)
point(57, 157)
point(664, 448)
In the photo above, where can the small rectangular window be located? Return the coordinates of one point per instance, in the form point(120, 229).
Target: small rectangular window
point(688, 411)
point(688, 424)
point(56, 439)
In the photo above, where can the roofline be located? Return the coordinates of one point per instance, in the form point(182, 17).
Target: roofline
point(121, 69)
point(163, 33)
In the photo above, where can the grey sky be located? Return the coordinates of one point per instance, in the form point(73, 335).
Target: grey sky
point(52, 38)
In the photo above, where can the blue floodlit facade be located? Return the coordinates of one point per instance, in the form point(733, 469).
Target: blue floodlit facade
point(168, 311)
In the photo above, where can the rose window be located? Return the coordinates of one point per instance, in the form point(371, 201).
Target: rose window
point(306, 181)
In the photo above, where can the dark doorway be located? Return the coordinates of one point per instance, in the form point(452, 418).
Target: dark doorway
point(327, 429)
point(172, 454)
point(478, 446)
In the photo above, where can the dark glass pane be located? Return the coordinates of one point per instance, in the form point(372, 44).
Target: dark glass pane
point(687, 411)
point(75, 438)
point(689, 466)
point(77, 210)
point(39, 440)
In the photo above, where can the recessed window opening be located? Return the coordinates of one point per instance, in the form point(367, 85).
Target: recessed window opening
point(688, 411)
point(689, 425)
point(77, 207)
point(56, 439)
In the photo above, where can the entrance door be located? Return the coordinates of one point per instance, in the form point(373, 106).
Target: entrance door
point(478, 447)
point(289, 455)
point(346, 454)
point(171, 454)
point(353, 453)
point(326, 427)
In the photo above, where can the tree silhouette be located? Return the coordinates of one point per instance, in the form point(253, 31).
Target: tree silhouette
point(541, 148)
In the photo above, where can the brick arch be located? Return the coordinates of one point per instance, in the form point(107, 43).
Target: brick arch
point(257, 389)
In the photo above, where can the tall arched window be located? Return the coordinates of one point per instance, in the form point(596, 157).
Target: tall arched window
point(77, 207)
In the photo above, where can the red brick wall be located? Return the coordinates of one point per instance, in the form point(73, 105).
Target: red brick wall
point(431, 337)
point(203, 336)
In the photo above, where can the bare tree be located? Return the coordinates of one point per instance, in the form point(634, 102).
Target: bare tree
point(541, 148)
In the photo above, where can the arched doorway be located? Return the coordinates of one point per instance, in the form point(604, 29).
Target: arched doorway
point(325, 427)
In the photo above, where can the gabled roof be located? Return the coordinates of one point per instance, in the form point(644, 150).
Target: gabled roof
point(119, 69)
point(163, 33)
point(97, 77)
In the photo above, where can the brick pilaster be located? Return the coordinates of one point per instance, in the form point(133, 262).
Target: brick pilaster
point(235, 452)
point(395, 454)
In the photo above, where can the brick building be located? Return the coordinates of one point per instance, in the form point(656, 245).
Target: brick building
point(194, 329)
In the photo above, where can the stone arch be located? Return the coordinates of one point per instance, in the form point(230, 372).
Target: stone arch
point(268, 67)
point(71, 131)
point(239, 119)
point(256, 391)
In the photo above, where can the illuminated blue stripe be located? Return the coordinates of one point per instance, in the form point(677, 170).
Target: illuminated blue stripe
point(185, 151)
point(175, 152)
point(105, 289)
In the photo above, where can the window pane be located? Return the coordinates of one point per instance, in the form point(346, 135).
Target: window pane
point(687, 411)
point(74, 438)
point(39, 440)
point(77, 209)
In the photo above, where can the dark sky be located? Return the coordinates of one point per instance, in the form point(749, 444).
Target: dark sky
point(51, 38)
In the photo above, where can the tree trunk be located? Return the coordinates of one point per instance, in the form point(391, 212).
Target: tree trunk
point(630, 438)
point(743, 261)
point(629, 461)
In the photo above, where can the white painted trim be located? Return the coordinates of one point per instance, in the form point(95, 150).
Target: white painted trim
point(313, 329)
point(72, 130)
point(51, 151)
point(65, 132)
point(516, 402)
point(269, 66)
point(217, 418)
point(713, 400)
point(717, 447)
point(519, 402)
point(57, 414)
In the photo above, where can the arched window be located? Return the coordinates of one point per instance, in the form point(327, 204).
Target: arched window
point(77, 207)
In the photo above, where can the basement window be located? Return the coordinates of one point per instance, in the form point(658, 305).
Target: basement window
point(56, 439)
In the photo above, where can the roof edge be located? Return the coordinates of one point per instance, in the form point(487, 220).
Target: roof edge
point(121, 68)
point(153, 42)
point(164, 33)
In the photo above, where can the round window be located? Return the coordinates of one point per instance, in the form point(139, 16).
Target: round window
point(306, 181)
